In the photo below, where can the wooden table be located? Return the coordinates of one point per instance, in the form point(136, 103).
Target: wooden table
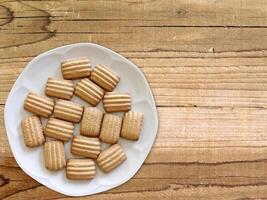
point(206, 63)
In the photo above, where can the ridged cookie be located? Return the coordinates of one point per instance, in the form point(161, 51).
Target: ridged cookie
point(111, 158)
point(91, 122)
point(68, 111)
point(131, 125)
point(110, 129)
point(62, 89)
point(59, 129)
point(89, 92)
point(117, 102)
point(85, 146)
point(54, 154)
point(40, 105)
point(104, 77)
point(80, 169)
point(32, 131)
point(76, 68)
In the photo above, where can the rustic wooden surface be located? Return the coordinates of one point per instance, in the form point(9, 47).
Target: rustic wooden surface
point(206, 63)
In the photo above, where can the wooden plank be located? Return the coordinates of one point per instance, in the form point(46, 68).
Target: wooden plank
point(224, 174)
point(170, 180)
point(163, 190)
point(174, 12)
point(33, 30)
point(184, 39)
point(200, 135)
point(227, 81)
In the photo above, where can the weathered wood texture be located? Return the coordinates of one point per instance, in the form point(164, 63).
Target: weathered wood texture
point(206, 64)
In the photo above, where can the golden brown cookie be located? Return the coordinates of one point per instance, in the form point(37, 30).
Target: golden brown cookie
point(32, 131)
point(89, 92)
point(40, 105)
point(91, 122)
point(131, 125)
point(58, 88)
point(117, 102)
point(68, 111)
point(104, 77)
point(111, 157)
point(80, 169)
point(85, 146)
point(54, 154)
point(76, 68)
point(59, 129)
point(110, 129)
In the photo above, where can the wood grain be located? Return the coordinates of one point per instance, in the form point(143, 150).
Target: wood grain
point(206, 64)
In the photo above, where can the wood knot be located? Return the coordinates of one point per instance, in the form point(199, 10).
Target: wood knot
point(7, 17)
point(181, 12)
point(3, 180)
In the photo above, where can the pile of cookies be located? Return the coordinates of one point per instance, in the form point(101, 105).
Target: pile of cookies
point(95, 84)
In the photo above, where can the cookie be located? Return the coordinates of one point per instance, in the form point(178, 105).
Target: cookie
point(131, 125)
point(111, 158)
point(59, 129)
point(32, 131)
point(110, 129)
point(39, 105)
point(85, 146)
point(62, 89)
point(89, 92)
point(54, 154)
point(80, 169)
point(117, 102)
point(91, 122)
point(76, 68)
point(68, 111)
point(104, 77)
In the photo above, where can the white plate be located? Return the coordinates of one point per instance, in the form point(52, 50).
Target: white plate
point(34, 77)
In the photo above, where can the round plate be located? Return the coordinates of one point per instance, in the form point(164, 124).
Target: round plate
point(34, 77)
